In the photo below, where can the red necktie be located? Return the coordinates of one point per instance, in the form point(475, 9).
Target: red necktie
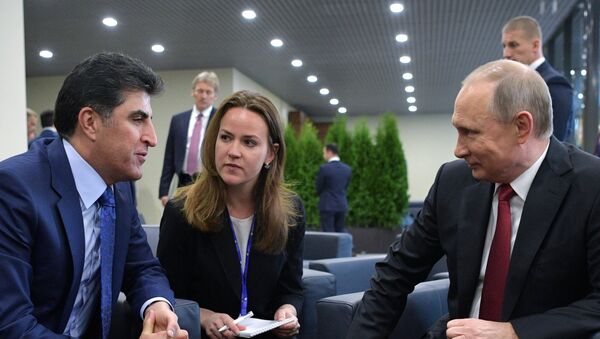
point(192, 159)
point(498, 260)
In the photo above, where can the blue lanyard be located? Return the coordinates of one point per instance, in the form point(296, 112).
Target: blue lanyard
point(244, 306)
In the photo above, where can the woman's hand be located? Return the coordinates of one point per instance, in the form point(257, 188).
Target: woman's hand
point(211, 322)
point(290, 329)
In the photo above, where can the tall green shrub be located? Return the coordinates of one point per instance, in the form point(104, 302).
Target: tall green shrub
point(391, 185)
point(338, 134)
point(360, 199)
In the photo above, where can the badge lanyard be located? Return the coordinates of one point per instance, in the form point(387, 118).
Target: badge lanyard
point(244, 306)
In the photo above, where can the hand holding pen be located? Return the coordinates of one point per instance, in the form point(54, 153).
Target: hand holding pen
point(237, 321)
point(212, 322)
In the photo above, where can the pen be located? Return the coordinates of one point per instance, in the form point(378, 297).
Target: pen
point(237, 321)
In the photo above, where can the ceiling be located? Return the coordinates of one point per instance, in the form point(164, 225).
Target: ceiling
point(348, 44)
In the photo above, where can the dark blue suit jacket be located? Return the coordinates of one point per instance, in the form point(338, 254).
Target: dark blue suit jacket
point(42, 245)
point(561, 93)
point(46, 133)
point(332, 182)
point(175, 149)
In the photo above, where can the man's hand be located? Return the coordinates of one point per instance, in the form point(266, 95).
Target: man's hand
point(478, 329)
point(290, 329)
point(148, 329)
point(164, 200)
point(165, 319)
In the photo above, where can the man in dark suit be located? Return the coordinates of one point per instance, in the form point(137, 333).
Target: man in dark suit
point(48, 129)
point(187, 129)
point(518, 219)
point(67, 207)
point(522, 42)
point(333, 179)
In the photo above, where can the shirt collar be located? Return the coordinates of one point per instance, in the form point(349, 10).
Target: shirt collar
point(534, 65)
point(523, 182)
point(204, 113)
point(88, 182)
point(334, 158)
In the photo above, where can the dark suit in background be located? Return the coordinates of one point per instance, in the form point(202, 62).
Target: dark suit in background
point(205, 267)
point(42, 245)
point(333, 179)
point(561, 93)
point(175, 152)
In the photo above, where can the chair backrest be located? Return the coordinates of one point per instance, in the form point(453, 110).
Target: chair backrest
point(322, 245)
point(351, 274)
point(152, 233)
point(316, 285)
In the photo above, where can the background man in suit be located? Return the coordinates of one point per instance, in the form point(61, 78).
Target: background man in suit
point(333, 179)
point(522, 42)
point(48, 129)
point(187, 129)
point(518, 219)
point(32, 121)
point(67, 207)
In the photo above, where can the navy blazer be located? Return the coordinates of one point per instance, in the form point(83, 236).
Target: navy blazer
point(205, 267)
point(45, 133)
point(333, 179)
point(175, 149)
point(553, 283)
point(561, 93)
point(42, 245)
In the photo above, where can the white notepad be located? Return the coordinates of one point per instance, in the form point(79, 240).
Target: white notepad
point(256, 326)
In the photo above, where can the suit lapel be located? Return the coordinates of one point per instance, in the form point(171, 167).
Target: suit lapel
point(473, 218)
point(544, 198)
point(69, 209)
point(224, 247)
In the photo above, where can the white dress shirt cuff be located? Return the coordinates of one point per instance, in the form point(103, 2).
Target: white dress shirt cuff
point(149, 302)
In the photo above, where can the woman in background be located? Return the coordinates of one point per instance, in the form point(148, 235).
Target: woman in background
point(233, 240)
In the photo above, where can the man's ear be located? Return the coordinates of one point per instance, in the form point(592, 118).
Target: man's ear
point(537, 44)
point(88, 122)
point(524, 126)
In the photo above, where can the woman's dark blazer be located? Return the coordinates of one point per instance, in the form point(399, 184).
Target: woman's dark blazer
point(204, 266)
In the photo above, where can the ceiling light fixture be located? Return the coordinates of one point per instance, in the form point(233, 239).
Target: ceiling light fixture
point(411, 100)
point(334, 101)
point(158, 48)
point(342, 110)
point(396, 7)
point(297, 63)
point(110, 22)
point(324, 91)
point(249, 14)
point(407, 76)
point(402, 38)
point(405, 59)
point(312, 78)
point(46, 54)
point(412, 108)
point(276, 43)
point(409, 89)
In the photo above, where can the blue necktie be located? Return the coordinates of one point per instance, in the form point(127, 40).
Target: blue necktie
point(107, 243)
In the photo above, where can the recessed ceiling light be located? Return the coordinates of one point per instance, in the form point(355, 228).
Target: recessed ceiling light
point(334, 101)
point(276, 43)
point(411, 100)
point(580, 96)
point(110, 22)
point(407, 76)
point(312, 78)
point(409, 89)
point(324, 91)
point(405, 59)
point(402, 38)
point(342, 110)
point(249, 14)
point(46, 54)
point(396, 7)
point(297, 63)
point(583, 72)
point(412, 108)
point(158, 48)
point(572, 72)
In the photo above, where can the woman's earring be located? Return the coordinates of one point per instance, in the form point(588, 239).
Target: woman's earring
point(267, 166)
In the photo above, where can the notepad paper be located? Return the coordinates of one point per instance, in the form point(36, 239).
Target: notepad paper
point(256, 326)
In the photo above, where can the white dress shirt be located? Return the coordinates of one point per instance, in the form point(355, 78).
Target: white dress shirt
point(521, 187)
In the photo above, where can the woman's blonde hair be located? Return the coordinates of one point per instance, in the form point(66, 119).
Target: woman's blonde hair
point(205, 200)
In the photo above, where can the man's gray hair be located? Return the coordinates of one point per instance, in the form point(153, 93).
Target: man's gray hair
point(209, 78)
point(518, 88)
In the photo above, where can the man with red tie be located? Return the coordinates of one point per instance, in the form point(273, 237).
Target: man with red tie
point(186, 132)
point(518, 219)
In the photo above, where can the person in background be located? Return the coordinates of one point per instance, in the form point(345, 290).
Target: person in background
point(186, 132)
point(522, 42)
point(32, 122)
point(70, 238)
point(517, 216)
point(48, 129)
point(333, 179)
point(233, 240)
